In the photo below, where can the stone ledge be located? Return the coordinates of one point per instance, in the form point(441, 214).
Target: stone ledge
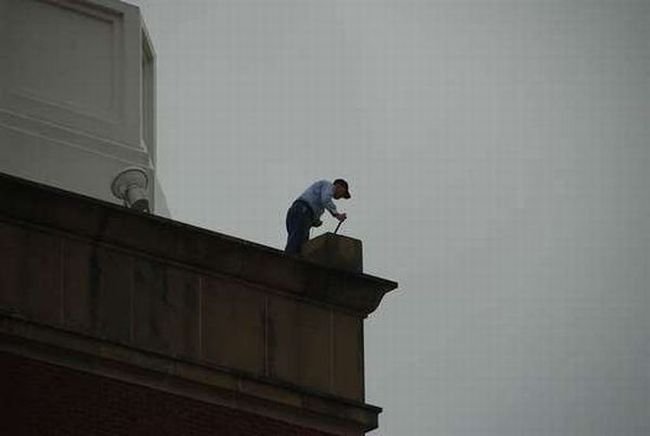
point(213, 385)
point(101, 222)
point(335, 251)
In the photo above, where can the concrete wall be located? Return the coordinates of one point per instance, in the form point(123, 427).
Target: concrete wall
point(77, 93)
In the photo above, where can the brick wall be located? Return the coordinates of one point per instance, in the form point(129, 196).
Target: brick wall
point(43, 399)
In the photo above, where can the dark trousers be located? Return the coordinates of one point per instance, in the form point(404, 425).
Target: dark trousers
point(299, 220)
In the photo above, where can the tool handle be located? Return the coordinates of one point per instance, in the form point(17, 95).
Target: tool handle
point(337, 227)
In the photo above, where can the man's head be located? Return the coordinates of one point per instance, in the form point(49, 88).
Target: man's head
point(341, 189)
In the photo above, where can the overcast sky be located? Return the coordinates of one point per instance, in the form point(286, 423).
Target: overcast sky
point(498, 156)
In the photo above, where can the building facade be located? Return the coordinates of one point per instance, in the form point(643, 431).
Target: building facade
point(117, 321)
point(113, 321)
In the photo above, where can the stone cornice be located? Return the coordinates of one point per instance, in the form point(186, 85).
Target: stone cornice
point(101, 222)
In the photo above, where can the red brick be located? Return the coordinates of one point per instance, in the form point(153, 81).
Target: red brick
point(45, 399)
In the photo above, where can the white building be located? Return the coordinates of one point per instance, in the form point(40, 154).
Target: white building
point(77, 99)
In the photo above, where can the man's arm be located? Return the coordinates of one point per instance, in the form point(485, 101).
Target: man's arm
point(327, 191)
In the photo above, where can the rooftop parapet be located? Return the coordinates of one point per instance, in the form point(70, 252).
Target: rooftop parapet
point(95, 286)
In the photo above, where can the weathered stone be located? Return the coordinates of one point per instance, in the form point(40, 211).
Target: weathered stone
point(232, 325)
point(347, 358)
point(171, 241)
point(270, 392)
point(300, 343)
point(335, 251)
point(80, 286)
point(30, 277)
point(110, 292)
point(166, 310)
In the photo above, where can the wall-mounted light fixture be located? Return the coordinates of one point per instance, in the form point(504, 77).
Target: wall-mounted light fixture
point(131, 186)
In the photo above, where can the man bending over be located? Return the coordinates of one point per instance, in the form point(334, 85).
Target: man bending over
point(306, 211)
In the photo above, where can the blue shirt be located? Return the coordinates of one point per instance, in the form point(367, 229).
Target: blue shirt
point(319, 196)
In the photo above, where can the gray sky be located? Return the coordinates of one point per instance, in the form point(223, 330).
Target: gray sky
point(498, 156)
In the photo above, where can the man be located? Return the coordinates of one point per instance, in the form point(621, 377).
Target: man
point(306, 211)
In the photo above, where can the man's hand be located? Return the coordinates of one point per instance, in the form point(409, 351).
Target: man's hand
point(340, 216)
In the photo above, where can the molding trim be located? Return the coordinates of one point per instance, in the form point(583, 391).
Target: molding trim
point(212, 385)
point(64, 136)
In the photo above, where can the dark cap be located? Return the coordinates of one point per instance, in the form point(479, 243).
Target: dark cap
point(345, 185)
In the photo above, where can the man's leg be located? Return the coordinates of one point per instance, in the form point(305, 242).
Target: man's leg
point(298, 224)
